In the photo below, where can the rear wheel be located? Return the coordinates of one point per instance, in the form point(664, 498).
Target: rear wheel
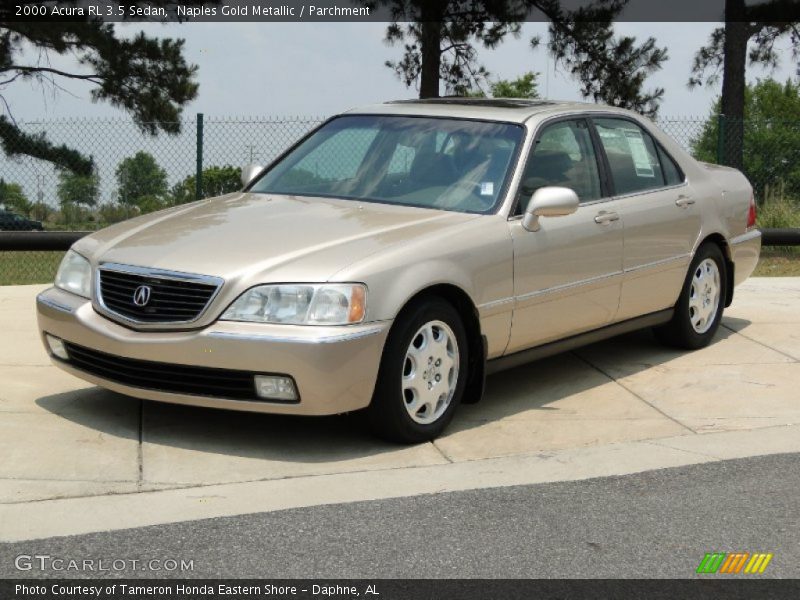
point(699, 308)
point(422, 375)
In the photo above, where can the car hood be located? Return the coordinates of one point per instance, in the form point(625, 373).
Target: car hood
point(258, 237)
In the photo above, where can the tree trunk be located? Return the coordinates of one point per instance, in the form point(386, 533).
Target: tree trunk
point(431, 50)
point(733, 83)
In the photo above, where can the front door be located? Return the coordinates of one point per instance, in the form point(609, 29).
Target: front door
point(567, 275)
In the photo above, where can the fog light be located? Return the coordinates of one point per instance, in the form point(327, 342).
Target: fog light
point(275, 387)
point(57, 347)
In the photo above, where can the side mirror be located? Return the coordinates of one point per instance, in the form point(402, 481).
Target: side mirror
point(549, 202)
point(249, 173)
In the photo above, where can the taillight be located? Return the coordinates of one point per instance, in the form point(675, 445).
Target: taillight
point(751, 213)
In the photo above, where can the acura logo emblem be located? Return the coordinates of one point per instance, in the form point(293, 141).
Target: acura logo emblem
point(142, 295)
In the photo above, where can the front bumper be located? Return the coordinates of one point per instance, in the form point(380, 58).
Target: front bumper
point(334, 368)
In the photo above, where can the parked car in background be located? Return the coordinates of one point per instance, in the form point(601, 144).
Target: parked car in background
point(10, 221)
point(397, 254)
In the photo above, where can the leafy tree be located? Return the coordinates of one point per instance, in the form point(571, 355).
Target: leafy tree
point(141, 180)
point(610, 69)
point(439, 39)
point(74, 189)
point(524, 86)
point(13, 198)
point(216, 182)
point(749, 36)
point(147, 77)
point(771, 136)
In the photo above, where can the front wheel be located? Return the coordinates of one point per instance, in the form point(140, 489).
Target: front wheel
point(699, 308)
point(422, 375)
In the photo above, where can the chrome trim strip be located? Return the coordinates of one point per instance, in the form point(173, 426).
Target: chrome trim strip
point(162, 273)
point(100, 306)
point(567, 286)
point(328, 339)
point(496, 303)
point(745, 237)
point(666, 188)
point(657, 263)
point(54, 305)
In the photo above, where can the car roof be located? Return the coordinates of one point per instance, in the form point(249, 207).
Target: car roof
point(514, 110)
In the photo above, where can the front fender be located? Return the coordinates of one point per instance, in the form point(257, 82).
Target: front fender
point(476, 257)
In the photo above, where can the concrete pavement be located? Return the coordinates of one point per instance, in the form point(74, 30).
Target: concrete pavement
point(80, 459)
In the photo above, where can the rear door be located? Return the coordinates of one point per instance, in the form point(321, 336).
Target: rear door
point(567, 275)
point(662, 220)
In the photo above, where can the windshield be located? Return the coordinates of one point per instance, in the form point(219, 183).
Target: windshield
point(448, 164)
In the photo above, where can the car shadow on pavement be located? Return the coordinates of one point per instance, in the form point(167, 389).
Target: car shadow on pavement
point(236, 433)
point(571, 383)
point(565, 385)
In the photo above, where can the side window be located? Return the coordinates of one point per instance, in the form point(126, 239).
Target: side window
point(563, 156)
point(672, 174)
point(631, 154)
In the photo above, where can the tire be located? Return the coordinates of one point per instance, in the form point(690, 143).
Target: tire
point(422, 375)
point(698, 311)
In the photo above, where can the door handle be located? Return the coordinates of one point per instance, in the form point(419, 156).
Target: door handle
point(684, 201)
point(604, 218)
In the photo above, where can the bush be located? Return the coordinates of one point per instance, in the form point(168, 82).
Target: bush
point(70, 215)
point(108, 214)
point(778, 214)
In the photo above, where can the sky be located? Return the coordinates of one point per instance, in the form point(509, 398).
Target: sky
point(306, 70)
point(282, 69)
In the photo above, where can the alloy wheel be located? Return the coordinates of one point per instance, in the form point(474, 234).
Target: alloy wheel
point(430, 372)
point(704, 295)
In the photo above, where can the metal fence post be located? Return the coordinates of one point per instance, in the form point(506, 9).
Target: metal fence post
point(720, 139)
point(198, 178)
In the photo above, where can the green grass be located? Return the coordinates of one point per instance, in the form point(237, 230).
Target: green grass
point(778, 262)
point(778, 214)
point(23, 268)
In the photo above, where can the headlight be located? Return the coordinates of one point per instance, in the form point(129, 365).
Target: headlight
point(301, 304)
point(75, 275)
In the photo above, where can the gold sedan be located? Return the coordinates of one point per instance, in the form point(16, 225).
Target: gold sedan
point(396, 255)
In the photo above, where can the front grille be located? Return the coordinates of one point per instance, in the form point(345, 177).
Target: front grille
point(164, 377)
point(171, 300)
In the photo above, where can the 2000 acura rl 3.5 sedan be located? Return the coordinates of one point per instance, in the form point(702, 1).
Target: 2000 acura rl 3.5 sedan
point(398, 254)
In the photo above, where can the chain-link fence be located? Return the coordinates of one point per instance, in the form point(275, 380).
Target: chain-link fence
point(135, 173)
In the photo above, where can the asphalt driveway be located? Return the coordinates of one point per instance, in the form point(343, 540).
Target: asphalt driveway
point(658, 524)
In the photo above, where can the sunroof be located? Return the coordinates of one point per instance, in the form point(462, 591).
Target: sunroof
point(488, 102)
